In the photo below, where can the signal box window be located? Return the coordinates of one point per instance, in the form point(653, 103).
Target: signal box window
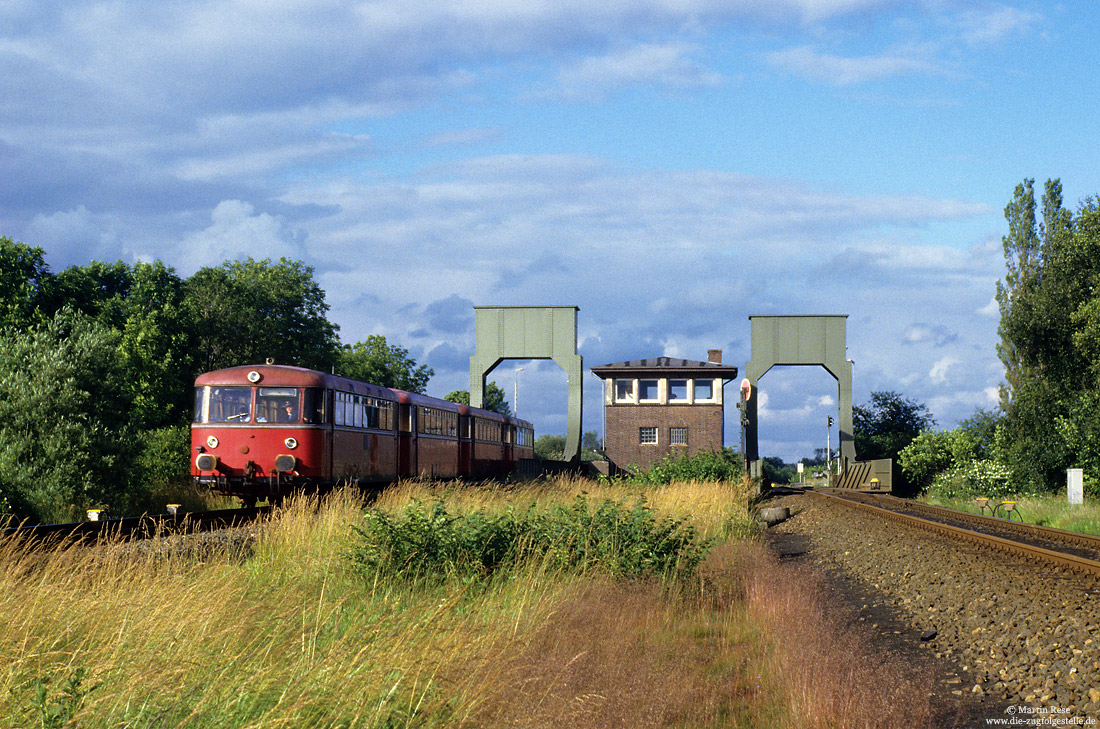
point(704, 390)
point(678, 436)
point(647, 390)
point(677, 390)
point(647, 436)
point(624, 390)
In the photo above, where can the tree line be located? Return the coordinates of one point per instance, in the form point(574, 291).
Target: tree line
point(1048, 418)
point(97, 365)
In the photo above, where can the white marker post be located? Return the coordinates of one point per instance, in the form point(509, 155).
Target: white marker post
point(1075, 485)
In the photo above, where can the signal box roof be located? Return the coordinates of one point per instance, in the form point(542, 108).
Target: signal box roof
point(665, 366)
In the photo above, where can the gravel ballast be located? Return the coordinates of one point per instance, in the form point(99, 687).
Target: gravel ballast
point(1023, 634)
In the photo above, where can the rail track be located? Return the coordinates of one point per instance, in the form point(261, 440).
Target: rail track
point(1065, 550)
point(138, 527)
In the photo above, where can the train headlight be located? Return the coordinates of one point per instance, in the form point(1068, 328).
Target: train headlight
point(291, 443)
point(254, 377)
point(285, 463)
point(206, 462)
point(212, 441)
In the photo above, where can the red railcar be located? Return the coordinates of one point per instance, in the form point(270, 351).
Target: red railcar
point(262, 431)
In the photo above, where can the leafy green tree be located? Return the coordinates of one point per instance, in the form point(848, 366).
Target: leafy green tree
point(550, 447)
point(378, 362)
point(1021, 251)
point(247, 311)
point(885, 425)
point(591, 448)
point(157, 347)
point(494, 398)
point(64, 438)
point(1048, 306)
point(98, 289)
point(776, 471)
point(146, 305)
point(24, 279)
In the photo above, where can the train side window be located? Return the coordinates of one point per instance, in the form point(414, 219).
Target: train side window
point(358, 409)
point(338, 408)
point(200, 398)
point(313, 405)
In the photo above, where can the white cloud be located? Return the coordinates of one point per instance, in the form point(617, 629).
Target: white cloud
point(664, 64)
point(72, 236)
point(989, 25)
point(808, 62)
point(235, 233)
point(936, 334)
point(939, 371)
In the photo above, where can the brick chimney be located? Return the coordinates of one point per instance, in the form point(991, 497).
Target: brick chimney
point(714, 356)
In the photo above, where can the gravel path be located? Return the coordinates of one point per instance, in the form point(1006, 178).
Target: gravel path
point(1024, 638)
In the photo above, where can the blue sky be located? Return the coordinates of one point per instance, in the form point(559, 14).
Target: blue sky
point(670, 167)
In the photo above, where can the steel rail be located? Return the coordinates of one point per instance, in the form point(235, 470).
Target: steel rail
point(1062, 559)
point(136, 527)
point(1088, 541)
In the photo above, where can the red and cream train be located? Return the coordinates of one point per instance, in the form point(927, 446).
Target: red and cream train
point(264, 431)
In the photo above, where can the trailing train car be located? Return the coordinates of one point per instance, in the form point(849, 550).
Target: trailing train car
point(264, 431)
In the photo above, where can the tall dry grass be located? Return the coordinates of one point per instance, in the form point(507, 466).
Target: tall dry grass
point(283, 636)
point(284, 632)
point(831, 673)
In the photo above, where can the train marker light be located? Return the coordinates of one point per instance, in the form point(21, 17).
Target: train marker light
point(291, 443)
point(254, 377)
point(212, 441)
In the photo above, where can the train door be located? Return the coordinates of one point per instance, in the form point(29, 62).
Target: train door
point(325, 416)
point(509, 447)
point(406, 440)
point(465, 445)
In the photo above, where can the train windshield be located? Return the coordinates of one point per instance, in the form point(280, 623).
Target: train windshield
point(223, 405)
point(277, 405)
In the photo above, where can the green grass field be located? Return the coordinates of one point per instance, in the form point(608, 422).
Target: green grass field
point(1053, 511)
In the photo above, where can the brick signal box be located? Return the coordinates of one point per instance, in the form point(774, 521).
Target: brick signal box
point(661, 406)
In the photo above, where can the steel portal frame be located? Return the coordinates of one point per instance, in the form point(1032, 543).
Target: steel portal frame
point(800, 340)
point(530, 332)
